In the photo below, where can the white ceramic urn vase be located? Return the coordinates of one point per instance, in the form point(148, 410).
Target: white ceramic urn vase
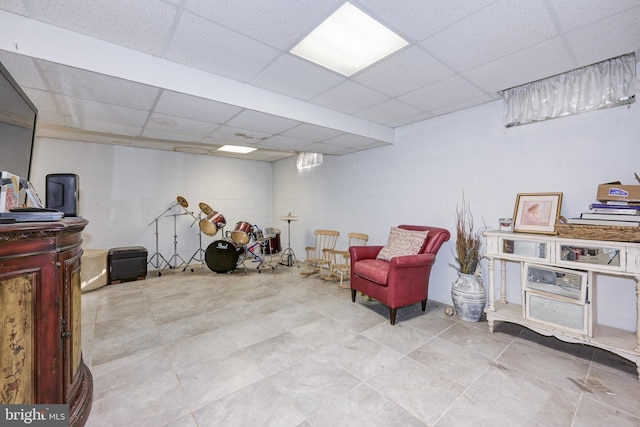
point(469, 297)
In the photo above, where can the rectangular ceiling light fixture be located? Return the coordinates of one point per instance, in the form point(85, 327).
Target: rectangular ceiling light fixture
point(237, 149)
point(348, 41)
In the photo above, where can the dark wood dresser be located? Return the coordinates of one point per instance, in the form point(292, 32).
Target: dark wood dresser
point(40, 335)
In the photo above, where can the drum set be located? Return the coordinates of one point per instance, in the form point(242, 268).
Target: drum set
point(245, 242)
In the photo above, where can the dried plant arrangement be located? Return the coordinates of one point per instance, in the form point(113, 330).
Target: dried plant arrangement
point(468, 240)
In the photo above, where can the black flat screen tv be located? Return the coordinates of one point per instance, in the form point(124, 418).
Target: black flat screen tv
point(17, 127)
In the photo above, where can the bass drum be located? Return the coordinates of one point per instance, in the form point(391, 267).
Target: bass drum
point(222, 256)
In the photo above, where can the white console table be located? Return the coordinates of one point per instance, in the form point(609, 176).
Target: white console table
point(559, 288)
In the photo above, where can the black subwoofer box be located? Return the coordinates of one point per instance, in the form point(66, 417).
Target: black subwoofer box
point(62, 193)
point(128, 263)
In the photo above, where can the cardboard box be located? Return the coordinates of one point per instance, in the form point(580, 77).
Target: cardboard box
point(618, 192)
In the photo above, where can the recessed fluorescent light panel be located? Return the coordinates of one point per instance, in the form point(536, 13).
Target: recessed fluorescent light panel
point(237, 149)
point(348, 41)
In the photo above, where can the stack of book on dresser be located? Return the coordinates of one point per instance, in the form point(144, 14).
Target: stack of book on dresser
point(611, 213)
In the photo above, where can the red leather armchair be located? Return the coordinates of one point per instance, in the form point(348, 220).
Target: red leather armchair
point(401, 282)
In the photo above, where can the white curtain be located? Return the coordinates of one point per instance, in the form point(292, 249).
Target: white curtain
point(602, 85)
point(308, 160)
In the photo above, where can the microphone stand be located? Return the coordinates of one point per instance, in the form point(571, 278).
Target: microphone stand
point(157, 260)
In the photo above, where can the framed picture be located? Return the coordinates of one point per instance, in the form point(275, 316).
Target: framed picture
point(537, 213)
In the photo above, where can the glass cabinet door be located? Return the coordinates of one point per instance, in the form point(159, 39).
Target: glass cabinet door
point(558, 313)
point(554, 281)
point(525, 248)
point(596, 255)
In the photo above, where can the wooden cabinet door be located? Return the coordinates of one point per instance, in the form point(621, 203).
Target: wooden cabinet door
point(29, 345)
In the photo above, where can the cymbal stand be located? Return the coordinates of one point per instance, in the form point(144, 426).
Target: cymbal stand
point(288, 253)
point(157, 260)
point(175, 256)
point(199, 253)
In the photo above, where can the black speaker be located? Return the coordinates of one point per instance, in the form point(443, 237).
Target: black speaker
point(62, 193)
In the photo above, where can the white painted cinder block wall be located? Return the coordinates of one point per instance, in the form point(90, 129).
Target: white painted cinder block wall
point(422, 178)
point(419, 180)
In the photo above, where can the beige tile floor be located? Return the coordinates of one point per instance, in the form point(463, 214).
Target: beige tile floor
point(277, 349)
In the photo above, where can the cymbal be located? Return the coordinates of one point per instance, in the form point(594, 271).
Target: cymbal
point(205, 208)
point(182, 202)
point(289, 217)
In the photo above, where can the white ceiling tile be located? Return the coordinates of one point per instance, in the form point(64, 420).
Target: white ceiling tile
point(43, 100)
point(142, 25)
point(497, 30)
point(323, 148)
point(180, 125)
point(23, 71)
point(51, 118)
point(434, 14)
point(181, 105)
point(527, 65)
point(462, 105)
point(168, 135)
point(14, 6)
point(349, 97)
point(81, 111)
point(444, 93)
point(354, 141)
point(607, 39)
point(410, 119)
point(234, 135)
point(283, 143)
point(262, 122)
point(309, 132)
point(494, 43)
point(207, 46)
point(577, 13)
point(403, 72)
point(281, 24)
point(296, 77)
point(97, 87)
point(388, 111)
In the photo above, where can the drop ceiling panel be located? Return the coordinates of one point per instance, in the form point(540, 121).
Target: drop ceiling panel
point(280, 142)
point(349, 97)
point(410, 69)
point(181, 105)
point(495, 31)
point(261, 122)
point(81, 84)
point(417, 19)
point(309, 132)
point(235, 136)
point(388, 111)
point(573, 14)
point(143, 25)
point(210, 47)
point(527, 65)
point(25, 68)
point(280, 24)
point(441, 94)
point(461, 53)
point(181, 126)
point(296, 77)
point(607, 38)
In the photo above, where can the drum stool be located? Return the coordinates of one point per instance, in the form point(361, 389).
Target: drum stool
point(127, 263)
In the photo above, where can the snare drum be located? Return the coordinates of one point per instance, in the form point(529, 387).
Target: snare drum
point(272, 245)
point(264, 234)
point(212, 223)
point(222, 256)
point(242, 233)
